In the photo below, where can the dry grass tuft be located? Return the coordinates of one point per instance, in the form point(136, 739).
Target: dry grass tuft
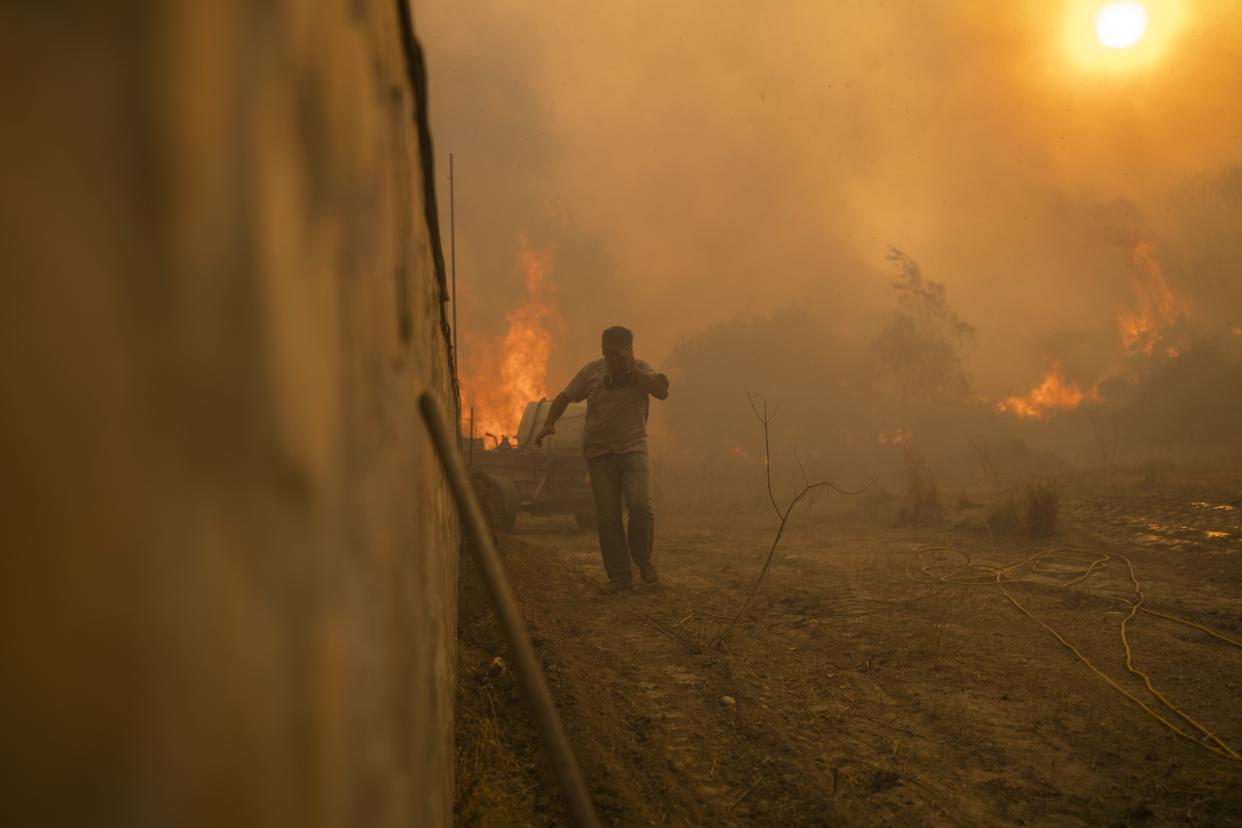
point(1043, 501)
point(1032, 510)
point(1005, 513)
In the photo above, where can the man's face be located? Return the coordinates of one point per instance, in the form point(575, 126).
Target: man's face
point(612, 358)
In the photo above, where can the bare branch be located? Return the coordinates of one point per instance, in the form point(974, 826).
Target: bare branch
point(783, 514)
point(750, 398)
point(806, 481)
point(680, 639)
point(839, 490)
point(767, 449)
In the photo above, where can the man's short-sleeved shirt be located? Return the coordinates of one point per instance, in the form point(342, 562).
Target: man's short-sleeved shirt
point(616, 419)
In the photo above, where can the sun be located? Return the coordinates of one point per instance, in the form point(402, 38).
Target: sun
point(1120, 25)
point(1122, 36)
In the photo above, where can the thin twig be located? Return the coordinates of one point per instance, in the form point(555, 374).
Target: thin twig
point(767, 449)
point(685, 642)
point(806, 481)
point(765, 419)
point(748, 791)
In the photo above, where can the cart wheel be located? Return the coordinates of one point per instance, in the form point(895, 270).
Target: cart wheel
point(586, 521)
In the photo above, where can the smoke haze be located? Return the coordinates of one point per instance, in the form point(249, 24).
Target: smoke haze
point(694, 166)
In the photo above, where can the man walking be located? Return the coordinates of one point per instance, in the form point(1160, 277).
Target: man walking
point(617, 389)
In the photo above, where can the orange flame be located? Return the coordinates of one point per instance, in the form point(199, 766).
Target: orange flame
point(1054, 393)
point(501, 375)
point(1158, 306)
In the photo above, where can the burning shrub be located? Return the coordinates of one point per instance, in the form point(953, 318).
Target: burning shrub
point(1054, 393)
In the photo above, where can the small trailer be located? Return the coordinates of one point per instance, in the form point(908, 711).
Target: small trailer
point(548, 480)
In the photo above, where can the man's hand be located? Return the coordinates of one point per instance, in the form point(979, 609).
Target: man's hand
point(554, 413)
point(626, 354)
point(547, 430)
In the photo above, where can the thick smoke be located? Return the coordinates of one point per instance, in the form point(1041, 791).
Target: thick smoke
point(847, 406)
point(726, 178)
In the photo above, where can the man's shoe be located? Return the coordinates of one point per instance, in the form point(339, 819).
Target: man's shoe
point(617, 586)
point(649, 574)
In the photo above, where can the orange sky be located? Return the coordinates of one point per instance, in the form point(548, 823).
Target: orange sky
point(690, 162)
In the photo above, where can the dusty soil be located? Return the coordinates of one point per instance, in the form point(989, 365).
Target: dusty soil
point(861, 688)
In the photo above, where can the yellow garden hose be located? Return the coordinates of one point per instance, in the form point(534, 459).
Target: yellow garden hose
point(1088, 563)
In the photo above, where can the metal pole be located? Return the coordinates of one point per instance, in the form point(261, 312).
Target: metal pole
point(529, 675)
point(453, 252)
point(453, 271)
point(472, 436)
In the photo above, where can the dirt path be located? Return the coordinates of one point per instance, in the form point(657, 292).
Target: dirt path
point(852, 693)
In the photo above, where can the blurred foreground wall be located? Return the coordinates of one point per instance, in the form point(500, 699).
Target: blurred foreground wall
point(229, 559)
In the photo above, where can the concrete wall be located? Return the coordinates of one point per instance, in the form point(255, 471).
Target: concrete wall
point(229, 558)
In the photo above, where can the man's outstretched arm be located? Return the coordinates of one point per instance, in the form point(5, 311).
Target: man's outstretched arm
point(554, 413)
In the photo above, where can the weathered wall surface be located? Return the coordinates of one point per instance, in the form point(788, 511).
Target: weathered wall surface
point(229, 556)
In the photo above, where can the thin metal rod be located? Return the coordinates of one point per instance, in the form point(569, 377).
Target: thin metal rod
point(453, 253)
point(471, 437)
point(529, 675)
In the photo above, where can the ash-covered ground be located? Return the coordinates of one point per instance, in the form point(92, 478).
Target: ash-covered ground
point(887, 671)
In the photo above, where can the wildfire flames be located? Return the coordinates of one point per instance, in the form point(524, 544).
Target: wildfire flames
point(1158, 306)
point(1142, 330)
point(501, 375)
point(1054, 393)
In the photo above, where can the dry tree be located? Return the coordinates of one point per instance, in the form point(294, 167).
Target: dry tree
point(782, 513)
